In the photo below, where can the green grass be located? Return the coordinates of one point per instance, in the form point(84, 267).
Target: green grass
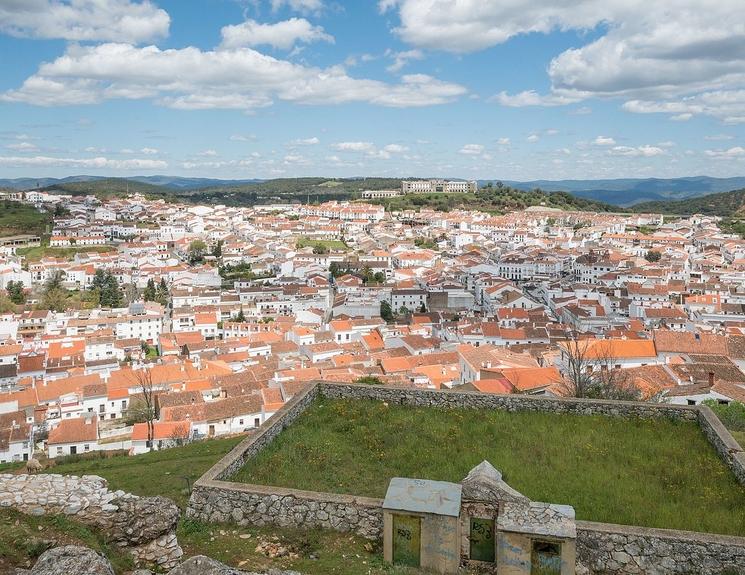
point(331, 245)
point(36, 253)
point(659, 473)
point(169, 472)
point(739, 437)
point(17, 218)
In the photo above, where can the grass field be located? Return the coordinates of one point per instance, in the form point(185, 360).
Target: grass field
point(650, 473)
point(17, 218)
point(36, 253)
point(331, 245)
point(169, 472)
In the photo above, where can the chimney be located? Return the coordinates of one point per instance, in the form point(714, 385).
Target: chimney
point(711, 379)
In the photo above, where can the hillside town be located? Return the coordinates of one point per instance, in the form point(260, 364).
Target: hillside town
point(141, 324)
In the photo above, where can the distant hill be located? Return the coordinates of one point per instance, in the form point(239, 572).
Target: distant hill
point(175, 182)
point(229, 192)
point(107, 188)
point(725, 204)
point(630, 191)
point(495, 200)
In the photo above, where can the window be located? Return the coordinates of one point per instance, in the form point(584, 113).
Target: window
point(257, 422)
point(691, 402)
point(59, 451)
point(87, 447)
point(545, 558)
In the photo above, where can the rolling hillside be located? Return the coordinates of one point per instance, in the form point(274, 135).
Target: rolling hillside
point(495, 200)
point(725, 204)
point(631, 191)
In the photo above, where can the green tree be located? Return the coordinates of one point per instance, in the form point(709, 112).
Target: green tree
point(54, 281)
point(196, 251)
point(241, 317)
point(107, 287)
point(150, 294)
point(15, 292)
point(217, 250)
point(162, 294)
point(386, 312)
point(6, 305)
point(320, 249)
point(54, 299)
point(379, 277)
point(653, 256)
point(334, 269)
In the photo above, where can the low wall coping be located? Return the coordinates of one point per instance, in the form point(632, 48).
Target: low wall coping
point(725, 436)
point(698, 537)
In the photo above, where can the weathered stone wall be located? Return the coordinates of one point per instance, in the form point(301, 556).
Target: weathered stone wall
point(146, 526)
point(223, 502)
point(728, 449)
point(605, 549)
point(515, 402)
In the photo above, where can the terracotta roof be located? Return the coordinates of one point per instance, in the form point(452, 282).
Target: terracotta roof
point(75, 430)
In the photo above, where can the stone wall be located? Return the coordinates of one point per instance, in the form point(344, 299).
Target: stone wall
point(146, 526)
point(728, 449)
point(514, 402)
point(223, 502)
point(621, 550)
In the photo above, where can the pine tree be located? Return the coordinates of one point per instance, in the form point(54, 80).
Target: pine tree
point(162, 294)
point(150, 294)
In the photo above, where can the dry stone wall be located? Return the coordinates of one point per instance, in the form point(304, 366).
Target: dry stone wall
point(259, 505)
point(146, 526)
point(620, 550)
point(516, 402)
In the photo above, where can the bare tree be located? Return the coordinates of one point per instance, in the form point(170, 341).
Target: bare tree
point(591, 370)
point(142, 408)
point(180, 434)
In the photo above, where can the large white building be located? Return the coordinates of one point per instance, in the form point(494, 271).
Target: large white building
point(437, 186)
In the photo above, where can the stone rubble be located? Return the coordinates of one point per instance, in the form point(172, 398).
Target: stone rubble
point(146, 526)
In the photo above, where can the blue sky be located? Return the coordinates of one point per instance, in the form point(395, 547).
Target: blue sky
point(525, 89)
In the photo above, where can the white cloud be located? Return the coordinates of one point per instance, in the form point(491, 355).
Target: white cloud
point(208, 153)
point(369, 149)
point(533, 138)
point(84, 20)
point(353, 146)
point(532, 98)
point(551, 132)
point(23, 147)
point(503, 141)
point(93, 163)
point(734, 153)
point(190, 79)
point(604, 141)
point(242, 138)
point(472, 150)
point(307, 141)
point(296, 159)
point(283, 35)
point(149, 151)
point(719, 137)
point(401, 59)
point(688, 59)
point(638, 151)
point(298, 5)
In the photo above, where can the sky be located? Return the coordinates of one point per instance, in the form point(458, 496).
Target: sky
point(475, 89)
